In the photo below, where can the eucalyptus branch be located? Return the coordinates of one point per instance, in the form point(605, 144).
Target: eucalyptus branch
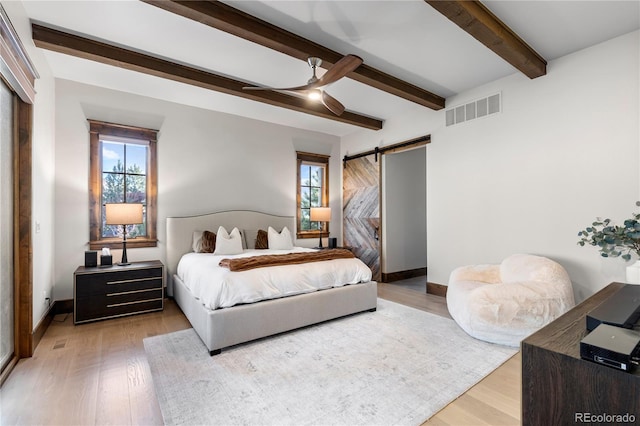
point(614, 240)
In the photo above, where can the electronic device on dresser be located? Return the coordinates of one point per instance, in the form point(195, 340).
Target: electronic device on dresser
point(620, 310)
point(615, 347)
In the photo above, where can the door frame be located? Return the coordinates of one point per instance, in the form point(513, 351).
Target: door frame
point(390, 149)
point(19, 74)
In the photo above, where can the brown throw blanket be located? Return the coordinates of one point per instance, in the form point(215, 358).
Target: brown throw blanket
point(246, 263)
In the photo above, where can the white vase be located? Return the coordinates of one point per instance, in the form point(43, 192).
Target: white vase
point(633, 273)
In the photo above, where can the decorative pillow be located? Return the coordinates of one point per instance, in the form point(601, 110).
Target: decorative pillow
point(196, 242)
point(228, 243)
point(208, 242)
point(279, 241)
point(250, 238)
point(262, 240)
point(243, 239)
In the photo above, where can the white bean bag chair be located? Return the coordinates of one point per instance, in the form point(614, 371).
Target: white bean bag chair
point(505, 303)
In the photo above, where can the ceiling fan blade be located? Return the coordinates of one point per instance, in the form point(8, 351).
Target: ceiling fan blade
point(341, 68)
point(290, 89)
point(332, 104)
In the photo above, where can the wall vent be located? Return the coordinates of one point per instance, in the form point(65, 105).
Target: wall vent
point(472, 110)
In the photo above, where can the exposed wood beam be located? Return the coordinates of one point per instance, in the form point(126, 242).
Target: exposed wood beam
point(75, 45)
point(226, 18)
point(473, 17)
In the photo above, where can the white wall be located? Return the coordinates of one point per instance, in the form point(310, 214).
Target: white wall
point(564, 150)
point(43, 143)
point(404, 201)
point(207, 161)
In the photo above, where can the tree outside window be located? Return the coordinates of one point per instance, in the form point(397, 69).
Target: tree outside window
point(124, 180)
point(313, 191)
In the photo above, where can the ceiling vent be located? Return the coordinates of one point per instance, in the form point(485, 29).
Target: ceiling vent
point(476, 109)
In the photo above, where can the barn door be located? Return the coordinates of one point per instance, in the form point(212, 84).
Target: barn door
point(361, 211)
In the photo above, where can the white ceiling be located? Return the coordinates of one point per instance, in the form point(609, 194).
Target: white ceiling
point(407, 39)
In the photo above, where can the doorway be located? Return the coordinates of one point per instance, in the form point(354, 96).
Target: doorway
point(404, 215)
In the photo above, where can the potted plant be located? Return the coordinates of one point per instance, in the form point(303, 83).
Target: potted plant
point(616, 241)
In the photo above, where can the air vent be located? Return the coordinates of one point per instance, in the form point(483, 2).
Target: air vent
point(476, 109)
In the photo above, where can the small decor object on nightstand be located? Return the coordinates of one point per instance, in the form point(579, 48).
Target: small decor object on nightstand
point(614, 240)
point(123, 214)
point(105, 258)
point(90, 258)
point(320, 214)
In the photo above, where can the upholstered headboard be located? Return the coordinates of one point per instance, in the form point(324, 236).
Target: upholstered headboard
point(180, 231)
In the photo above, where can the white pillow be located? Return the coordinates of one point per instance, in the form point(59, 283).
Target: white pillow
point(279, 241)
point(250, 236)
point(196, 243)
point(228, 243)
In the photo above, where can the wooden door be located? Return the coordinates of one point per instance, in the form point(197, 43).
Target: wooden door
point(361, 211)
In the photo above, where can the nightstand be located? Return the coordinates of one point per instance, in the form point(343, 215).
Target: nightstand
point(109, 292)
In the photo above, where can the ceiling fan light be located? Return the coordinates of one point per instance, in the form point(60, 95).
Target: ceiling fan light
point(315, 94)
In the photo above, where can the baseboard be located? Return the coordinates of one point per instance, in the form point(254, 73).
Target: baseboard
point(58, 307)
point(42, 326)
point(437, 289)
point(403, 275)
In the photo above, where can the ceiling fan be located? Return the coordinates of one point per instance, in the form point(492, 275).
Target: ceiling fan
point(313, 88)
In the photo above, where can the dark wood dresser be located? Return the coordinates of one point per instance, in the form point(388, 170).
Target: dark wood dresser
point(560, 388)
point(101, 293)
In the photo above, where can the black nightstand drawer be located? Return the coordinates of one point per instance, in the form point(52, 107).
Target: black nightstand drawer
point(91, 309)
point(91, 285)
point(101, 293)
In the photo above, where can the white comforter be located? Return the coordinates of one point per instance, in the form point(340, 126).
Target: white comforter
point(217, 287)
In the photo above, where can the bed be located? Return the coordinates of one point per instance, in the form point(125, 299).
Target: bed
point(225, 327)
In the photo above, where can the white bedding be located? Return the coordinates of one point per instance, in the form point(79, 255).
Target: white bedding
point(217, 287)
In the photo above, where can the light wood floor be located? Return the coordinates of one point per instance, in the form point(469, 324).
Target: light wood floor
point(98, 374)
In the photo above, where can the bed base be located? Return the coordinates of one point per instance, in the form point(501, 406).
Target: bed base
point(222, 328)
point(219, 351)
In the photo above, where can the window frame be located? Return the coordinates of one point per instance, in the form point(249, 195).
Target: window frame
point(316, 160)
point(101, 128)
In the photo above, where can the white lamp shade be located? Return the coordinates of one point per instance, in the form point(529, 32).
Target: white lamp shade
point(320, 214)
point(123, 214)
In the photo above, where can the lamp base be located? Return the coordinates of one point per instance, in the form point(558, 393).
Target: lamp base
point(124, 261)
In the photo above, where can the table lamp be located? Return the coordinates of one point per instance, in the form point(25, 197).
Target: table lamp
point(123, 214)
point(320, 214)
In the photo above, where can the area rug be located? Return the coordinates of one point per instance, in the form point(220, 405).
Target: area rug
point(397, 365)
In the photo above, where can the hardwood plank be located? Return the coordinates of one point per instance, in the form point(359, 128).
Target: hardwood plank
point(495, 400)
point(419, 300)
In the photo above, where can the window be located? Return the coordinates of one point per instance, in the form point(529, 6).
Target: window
point(122, 170)
point(312, 191)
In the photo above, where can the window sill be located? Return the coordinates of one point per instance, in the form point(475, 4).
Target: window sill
point(310, 234)
point(117, 243)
